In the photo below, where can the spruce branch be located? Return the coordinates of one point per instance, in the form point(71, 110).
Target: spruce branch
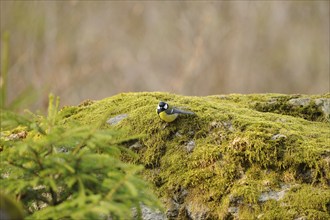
point(80, 182)
point(36, 156)
point(54, 196)
point(23, 168)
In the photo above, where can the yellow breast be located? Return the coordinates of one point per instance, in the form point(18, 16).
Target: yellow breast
point(168, 118)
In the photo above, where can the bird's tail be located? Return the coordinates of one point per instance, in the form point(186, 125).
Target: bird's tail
point(179, 111)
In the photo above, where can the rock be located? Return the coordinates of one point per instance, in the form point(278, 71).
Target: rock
point(190, 146)
point(324, 104)
point(62, 149)
point(115, 120)
point(235, 199)
point(17, 136)
point(194, 214)
point(278, 136)
point(234, 202)
point(180, 196)
point(233, 210)
point(149, 214)
point(173, 209)
point(236, 138)
point(299, 101)
point(176, 206)
point(228, 125)
point(177, 134)
point(276, 195)
point(136, 146)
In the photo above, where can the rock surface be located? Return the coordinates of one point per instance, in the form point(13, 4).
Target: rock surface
point(116, 119)
point(262, 156)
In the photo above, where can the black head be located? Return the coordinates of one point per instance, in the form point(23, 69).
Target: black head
point(162, 106)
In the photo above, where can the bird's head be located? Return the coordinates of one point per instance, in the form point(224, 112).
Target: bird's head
point(162, 106)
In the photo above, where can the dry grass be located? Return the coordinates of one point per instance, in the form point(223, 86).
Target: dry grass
point(80, 50)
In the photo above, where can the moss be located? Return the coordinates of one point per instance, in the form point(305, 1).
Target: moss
point(301, 201)
point(244, 145)
point(295, 105)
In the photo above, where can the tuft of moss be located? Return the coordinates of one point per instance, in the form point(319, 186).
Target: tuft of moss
point(312, 108)
point(301, 201)
point(236, 149)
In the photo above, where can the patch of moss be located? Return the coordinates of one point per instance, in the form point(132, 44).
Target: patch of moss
point(301, 201)
point(306, 107)
point(243, 145)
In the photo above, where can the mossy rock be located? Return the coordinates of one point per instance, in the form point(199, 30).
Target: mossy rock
point(264, 156)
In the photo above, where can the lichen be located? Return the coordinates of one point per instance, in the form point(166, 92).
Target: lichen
point(244, 146)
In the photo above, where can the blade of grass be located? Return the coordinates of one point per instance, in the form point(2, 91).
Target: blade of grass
point(4, 68)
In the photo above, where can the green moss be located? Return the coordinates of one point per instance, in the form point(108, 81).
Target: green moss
point(302, 200)
point(244, 145)
point(295, 105)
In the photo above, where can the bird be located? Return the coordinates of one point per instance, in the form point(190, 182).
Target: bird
point(168, 113)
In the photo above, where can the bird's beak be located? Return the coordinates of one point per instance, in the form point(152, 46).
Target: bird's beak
point(158, 110)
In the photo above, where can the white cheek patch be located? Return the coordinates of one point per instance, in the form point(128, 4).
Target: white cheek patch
point(165, 106)
point(158, 107)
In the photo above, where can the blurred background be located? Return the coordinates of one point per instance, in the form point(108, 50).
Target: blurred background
point(95, 49)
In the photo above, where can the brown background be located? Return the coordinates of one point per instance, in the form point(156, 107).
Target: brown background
point(90, 50)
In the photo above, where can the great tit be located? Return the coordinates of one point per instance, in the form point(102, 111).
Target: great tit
point(168, 113)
